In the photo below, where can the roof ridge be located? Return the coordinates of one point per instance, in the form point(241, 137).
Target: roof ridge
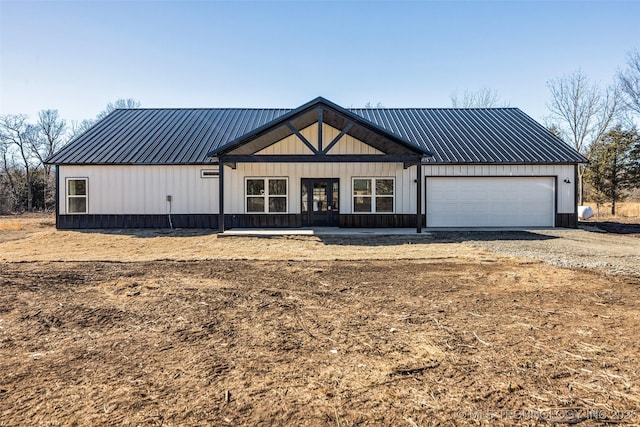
point(289, 109)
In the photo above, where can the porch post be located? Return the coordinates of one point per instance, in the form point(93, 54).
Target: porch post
point(419, 196)
point(58, 197)
point(221, 196)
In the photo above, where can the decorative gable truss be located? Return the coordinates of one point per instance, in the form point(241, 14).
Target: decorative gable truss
point(305, 142)
point(320, 131)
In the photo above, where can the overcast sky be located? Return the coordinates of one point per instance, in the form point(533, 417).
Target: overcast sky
point(78, 56)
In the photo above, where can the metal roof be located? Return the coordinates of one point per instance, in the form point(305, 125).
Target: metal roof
point(186, 135)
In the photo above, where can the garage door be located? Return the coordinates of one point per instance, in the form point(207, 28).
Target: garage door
point(490, 202)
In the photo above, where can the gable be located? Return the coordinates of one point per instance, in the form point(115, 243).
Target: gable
point(342, 144)
point(326, 113)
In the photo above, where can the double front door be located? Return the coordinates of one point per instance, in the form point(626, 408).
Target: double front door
point(320, 197)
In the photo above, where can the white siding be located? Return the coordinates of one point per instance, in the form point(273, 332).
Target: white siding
point(405, 187)
point(293, 145)
point(144, 189)
point(347, 144)
point(565, 191)
point(289, 145)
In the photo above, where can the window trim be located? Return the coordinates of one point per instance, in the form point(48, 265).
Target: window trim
point(373, 195)
point(68, 196)
point(266, 194)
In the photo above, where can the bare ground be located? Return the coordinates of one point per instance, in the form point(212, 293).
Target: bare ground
point(398, 331)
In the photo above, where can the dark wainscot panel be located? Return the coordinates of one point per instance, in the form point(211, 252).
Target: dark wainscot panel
point(69, 222)
point(566, 220)
point(262, 220)
point(378, 220)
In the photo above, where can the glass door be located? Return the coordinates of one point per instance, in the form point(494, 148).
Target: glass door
point(319, 202)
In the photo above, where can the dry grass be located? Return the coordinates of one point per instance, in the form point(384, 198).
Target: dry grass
point(623, 210)
point(183, 328)
point(315, 343)
point(151, 245)
point(10, 225)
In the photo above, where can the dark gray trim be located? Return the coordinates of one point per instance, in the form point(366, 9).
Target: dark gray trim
point(320, 122)
point(320, 158)
point(575, 193)
point(57, 169)
point(418, 198)
point(533, 162)
point(209, 163)
point(555, 200)
point(221, 198)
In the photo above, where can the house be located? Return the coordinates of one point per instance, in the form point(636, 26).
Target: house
point(316, 165)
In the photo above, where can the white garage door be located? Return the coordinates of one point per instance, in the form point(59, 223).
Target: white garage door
point(490, 202)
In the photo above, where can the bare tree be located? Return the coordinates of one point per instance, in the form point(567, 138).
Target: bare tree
point(370, 105)
point(119, 103)
point(9, 193)
point(582, 112)
point(16, 132)
point(629, 82)
point(52, 132)
point(52, 129)
point(484, 98)
point(78, 128)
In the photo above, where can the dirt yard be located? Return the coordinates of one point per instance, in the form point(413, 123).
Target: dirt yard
point(184, 328)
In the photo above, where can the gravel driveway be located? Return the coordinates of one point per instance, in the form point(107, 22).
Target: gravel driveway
point(613, 253)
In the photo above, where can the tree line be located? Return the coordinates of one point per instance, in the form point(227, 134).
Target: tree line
point(596, 120)
point(27, 183)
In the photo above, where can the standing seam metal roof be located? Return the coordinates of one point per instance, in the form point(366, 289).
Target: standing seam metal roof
point(186, 135)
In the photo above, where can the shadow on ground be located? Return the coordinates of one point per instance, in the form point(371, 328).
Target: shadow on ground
point(340, 239)
point(432, 237)
point(614, 227)
point(151, 232)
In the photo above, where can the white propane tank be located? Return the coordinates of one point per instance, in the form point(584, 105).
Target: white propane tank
point(585, 212)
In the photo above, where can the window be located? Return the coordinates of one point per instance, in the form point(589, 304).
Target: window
point(373, 195)
point(77, 195)
point(266, 195)
point(209, 173)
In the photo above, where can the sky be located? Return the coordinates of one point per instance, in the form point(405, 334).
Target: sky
point(76, 56)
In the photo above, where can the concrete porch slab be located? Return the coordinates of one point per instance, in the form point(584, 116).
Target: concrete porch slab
point(321, 231)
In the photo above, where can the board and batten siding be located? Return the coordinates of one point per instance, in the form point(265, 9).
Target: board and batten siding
point(565, 191)
point(292, 144)
point(405, 186)
point(144, 189)
point(138, 190)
